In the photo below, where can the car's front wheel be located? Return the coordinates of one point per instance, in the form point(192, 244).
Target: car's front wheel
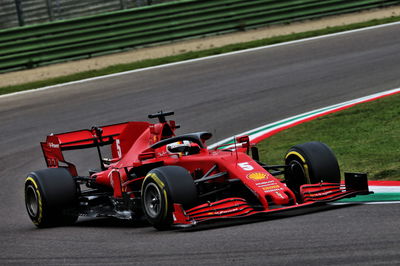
point(163, 187)
point(310, 163)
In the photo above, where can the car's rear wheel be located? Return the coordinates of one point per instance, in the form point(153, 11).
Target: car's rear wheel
point(51, 197)
point(310, 163)
point(163, 187)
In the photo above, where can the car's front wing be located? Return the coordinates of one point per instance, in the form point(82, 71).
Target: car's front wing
point(234, 208)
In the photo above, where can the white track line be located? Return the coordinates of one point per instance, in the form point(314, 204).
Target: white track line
point(201, 59)
point(384, 189)
point(265, 129)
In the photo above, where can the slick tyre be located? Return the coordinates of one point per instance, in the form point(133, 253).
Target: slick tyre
point(51, 197)
point(310, 163)
point(163, 187)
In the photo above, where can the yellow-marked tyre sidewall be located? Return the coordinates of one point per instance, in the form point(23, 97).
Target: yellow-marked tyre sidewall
point(298, 173)
point(291, 155)
point(318, 160)
point(32, 182)
point(56, 195)
point(176, 185)
point(164, 219)
point(162, 187)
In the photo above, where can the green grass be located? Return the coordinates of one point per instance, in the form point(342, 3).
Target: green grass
point(191, 55)
point(364, 138)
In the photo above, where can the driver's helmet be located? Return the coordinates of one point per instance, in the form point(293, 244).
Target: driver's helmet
point(178, 147)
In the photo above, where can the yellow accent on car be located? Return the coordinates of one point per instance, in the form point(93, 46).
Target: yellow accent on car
point(305, 166)
point(162, 186)
point(297, 154)
point(257, 176)
point(40, 216)
point(156, 179)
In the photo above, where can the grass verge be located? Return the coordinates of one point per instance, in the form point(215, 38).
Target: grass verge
point(364, 138)
point(192, 55)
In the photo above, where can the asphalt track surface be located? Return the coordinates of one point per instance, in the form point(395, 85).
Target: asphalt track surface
point(224, 95)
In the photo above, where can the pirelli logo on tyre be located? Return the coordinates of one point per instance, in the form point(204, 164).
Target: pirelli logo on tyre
point(257, 176)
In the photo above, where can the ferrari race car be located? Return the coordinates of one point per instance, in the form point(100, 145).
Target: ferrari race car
point(175, 180)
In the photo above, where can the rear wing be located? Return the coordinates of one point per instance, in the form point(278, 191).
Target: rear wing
point(86, 138)
point(121, 137)
point(95, 137)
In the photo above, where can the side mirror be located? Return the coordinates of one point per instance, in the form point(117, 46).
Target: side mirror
point(243, 139)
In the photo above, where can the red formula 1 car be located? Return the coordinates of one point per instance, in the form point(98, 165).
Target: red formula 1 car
point(176, 180)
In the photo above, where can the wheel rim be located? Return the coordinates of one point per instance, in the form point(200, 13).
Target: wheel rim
point(298, 175)
point(31, 201)
point(152, 200)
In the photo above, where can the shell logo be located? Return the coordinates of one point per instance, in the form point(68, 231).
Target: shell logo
point(257, 176)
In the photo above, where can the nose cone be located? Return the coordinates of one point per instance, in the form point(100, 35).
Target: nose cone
point(277, 198)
